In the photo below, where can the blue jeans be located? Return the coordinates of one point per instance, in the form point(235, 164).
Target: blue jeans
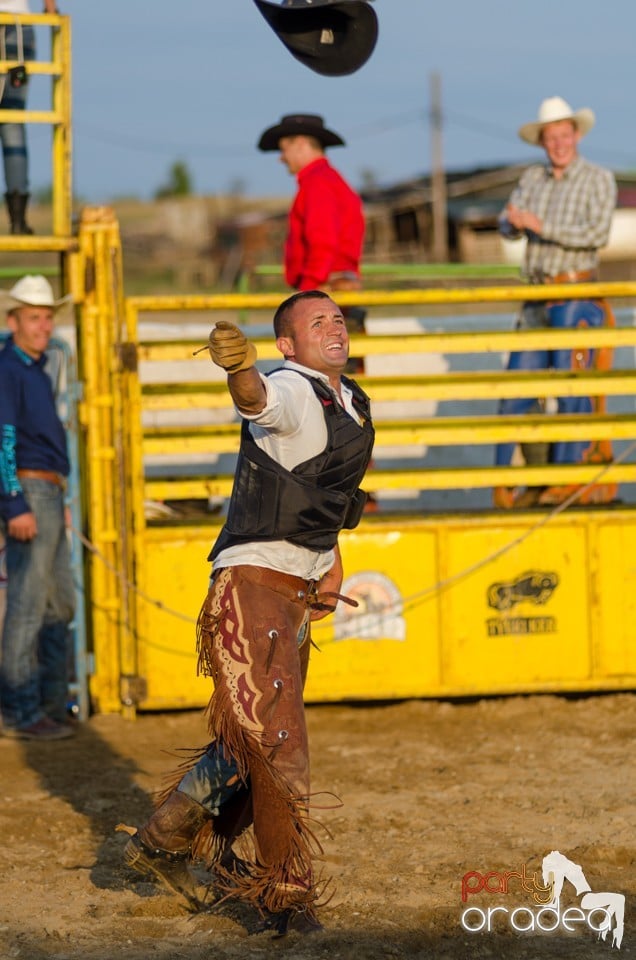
point(207, 782)
point(213, 781)
point(40, 606)
point(13, 135)
point(564, 315)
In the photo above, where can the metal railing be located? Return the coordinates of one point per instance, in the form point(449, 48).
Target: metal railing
point(400, 272)
point(59, 118)
point(185, 440)
point(158, 425)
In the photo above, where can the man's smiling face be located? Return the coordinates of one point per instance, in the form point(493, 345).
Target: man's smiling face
point(32, 328)
point(319, 340)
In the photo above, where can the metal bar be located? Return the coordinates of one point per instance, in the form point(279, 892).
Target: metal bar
point(35, 67)
point(62, 140)
point(79, 686)
point(386, 298)
point(15, 243)
point(498, 341)
point(96, 356)
point(132, 423)
point(30, 116)
point(43, 270)
point(377, 480)
point(414, 270)
point(450, 386)
point(442, 431)
point(33, 19)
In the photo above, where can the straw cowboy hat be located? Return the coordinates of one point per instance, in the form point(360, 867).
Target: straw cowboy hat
point(331, 37)
point(299, 124)
point(551, 110)
point(32, 291)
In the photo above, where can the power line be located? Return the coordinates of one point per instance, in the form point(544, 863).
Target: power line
point(146, 145)
point(356, 132)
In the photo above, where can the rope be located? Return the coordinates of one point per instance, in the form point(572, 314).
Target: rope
point(407, 603)
point(415, 599)
point(126, 582)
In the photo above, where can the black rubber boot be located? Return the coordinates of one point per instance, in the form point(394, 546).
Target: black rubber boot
point(16, 207)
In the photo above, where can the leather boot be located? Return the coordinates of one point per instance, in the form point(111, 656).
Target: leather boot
point(16, 206)
point(161, 848)
point(300, 920)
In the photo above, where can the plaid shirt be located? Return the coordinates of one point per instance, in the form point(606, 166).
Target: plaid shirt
point(576, 213)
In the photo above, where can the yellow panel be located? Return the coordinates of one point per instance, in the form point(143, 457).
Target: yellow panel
point(521, 620)
point(552, 612)
point(615, 574)
point(177, 575)
point(364, 653)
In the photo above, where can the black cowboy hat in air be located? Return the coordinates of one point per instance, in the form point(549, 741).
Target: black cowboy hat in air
point(299, 124)
point(332, 37)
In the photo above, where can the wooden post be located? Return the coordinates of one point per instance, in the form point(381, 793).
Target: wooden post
point(438, 178)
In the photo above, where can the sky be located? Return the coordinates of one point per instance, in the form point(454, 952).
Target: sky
point(197, 81)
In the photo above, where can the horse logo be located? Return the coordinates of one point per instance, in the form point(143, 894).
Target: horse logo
point(557, 869)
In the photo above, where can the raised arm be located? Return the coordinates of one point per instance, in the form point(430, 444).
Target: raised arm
point(231, 350)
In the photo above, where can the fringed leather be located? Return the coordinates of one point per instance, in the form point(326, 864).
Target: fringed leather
point(173, 778)
point(210, 616)
point(247, 641)
point(213, 844)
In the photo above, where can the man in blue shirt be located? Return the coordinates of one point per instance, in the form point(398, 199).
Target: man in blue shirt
point(33, 469)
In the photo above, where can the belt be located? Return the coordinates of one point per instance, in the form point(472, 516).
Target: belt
point(49, 475)
point(344, 280)
point(568, 276)
point(292, 587)
point(343, 275)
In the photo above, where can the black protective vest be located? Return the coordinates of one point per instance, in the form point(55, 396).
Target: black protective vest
point(310, 504)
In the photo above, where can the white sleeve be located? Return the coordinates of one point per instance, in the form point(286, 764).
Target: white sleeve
point(285, 410)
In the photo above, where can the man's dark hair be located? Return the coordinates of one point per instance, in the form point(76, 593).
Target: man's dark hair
point(282, 317)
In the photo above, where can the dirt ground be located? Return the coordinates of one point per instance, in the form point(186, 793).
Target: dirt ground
point(430, 791)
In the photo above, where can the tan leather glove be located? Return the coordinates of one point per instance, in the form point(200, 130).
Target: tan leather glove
point(230, 348)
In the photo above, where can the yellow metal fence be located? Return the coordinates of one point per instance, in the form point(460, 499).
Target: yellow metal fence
point(451, 604)
point(478, 384)
point(58, 68)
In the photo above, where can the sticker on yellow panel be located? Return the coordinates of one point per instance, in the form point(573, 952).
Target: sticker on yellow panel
point(380, 611)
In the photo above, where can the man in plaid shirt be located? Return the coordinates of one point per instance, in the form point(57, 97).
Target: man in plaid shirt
point(564, 210)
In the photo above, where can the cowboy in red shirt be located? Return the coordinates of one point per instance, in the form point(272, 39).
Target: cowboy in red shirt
point(326, 222)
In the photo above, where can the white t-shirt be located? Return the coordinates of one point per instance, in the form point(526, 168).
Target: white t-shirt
point(290, 429)
point(14, 6)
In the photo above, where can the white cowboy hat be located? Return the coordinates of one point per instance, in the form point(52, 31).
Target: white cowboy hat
point(551, 110)
point(32, 291)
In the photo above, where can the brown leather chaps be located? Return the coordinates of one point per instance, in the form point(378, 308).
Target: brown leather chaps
point(253, 640)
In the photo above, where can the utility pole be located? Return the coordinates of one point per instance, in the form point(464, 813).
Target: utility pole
point(438, 177)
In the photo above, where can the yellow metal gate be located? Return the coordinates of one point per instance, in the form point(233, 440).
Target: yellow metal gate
point(462, 603)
